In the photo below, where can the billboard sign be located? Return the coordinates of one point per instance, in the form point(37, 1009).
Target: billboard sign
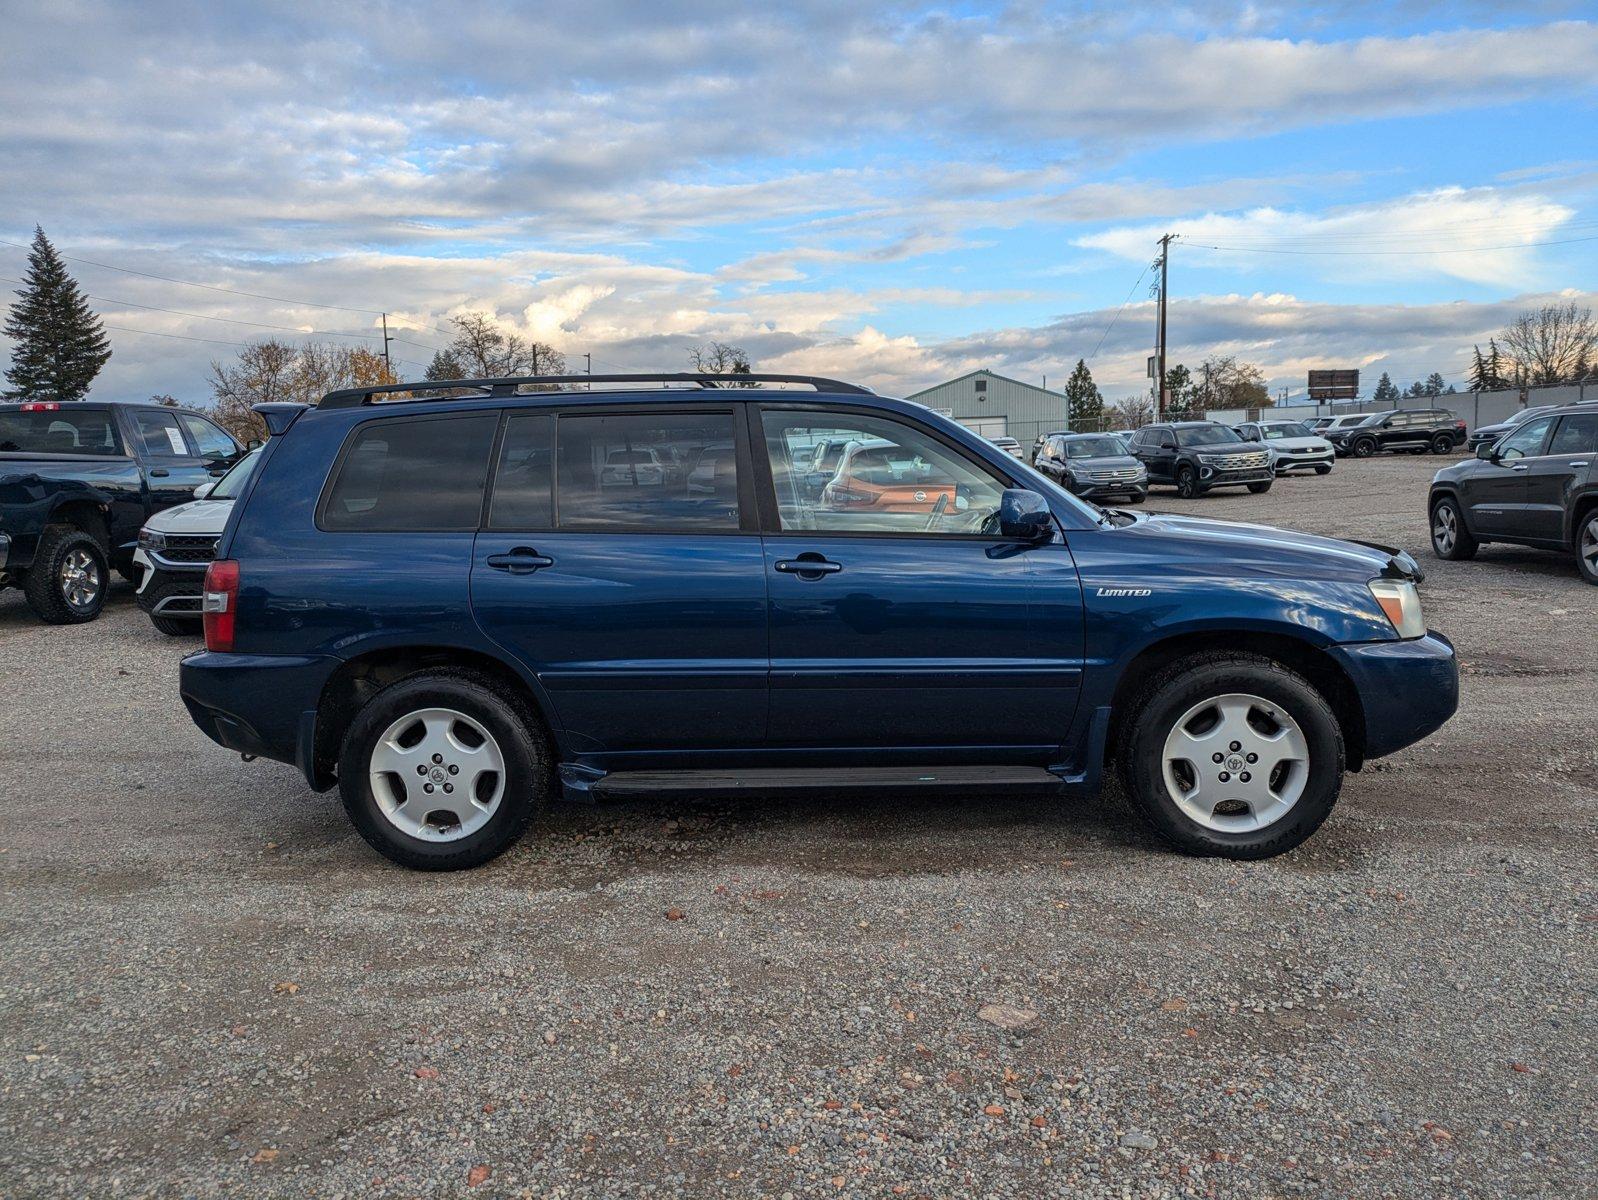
point(1334, 385)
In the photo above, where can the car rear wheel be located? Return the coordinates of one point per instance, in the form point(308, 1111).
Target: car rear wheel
point(1587, 546)
point(1186, 482)
point(1363, 447)
point(1233, 755)
point(67, 582)
point(1450, 538)
point(443, 770)
point(1442, 444)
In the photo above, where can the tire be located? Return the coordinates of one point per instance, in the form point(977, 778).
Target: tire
point(1259, 489)
point(1136, 499)
point(128, 569)
point(1363, 448)
point(1323, 470)
point(513, 780)
point(1442, 444)
point(67, 582)
point(1156, 767)
point(173, 627)
point(1587, 545)
point(1451, 539)
point(1187, 484)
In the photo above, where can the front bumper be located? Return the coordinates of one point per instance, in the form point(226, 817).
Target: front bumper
point(1212, 477)
point(1406, 689)
point(167, 593)
point(1103, 491)
point(1286, 461)
point(262, 705)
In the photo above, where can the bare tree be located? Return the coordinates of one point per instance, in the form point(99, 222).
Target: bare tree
point(1552, 344)
point(1225, 382)
point(270, 371)
point(485, 351)
point(718, 358)
point(1132, 413)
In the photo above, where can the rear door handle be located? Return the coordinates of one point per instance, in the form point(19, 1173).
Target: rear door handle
point(808, 566)
point(520, 561)
point(1578, 464)
point(1519, 467)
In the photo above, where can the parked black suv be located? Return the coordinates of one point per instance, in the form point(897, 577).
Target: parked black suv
point(1095, 466)
point(1415, 430)
point(1199, 455)
point(1536, 487)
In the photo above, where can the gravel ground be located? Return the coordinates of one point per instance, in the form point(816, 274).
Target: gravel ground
point(212, 987)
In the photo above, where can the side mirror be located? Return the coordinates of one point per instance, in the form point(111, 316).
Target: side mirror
point(1025, 516)
point(1486, 450)
point(204, 490)
point(254, 444)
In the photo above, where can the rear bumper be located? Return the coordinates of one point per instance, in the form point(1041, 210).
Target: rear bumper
point(1407, 690)
point(263, 705)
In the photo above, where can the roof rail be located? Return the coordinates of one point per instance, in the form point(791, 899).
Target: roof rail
point(477, 389)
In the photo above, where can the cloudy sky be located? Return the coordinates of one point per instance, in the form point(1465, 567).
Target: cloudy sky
point(895, 194)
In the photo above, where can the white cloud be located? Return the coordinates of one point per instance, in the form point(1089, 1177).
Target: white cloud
point(1480, 235)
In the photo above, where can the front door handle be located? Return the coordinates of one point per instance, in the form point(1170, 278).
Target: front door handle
point(1579, 464)
point(808, 566)
point(159, 473)
point(523, 560)
point(1518, 467)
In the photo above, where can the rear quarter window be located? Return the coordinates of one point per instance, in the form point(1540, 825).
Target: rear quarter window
point(422, 475)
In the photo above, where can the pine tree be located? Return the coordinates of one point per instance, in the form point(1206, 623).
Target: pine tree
point(60, 345)
point(1495, 367)
point(1478, 371)
point(445, 365)
point(1435, 384)
point(1386, 391)
point(1084, 401)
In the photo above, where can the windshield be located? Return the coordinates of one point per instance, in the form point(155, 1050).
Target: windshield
point(1097, 447)
point(1206, 435)
point(1287, 429)
point(231, 484)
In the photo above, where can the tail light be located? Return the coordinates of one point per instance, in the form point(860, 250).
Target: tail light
point(1459, 425)
point(220, 602)
point(41, 406)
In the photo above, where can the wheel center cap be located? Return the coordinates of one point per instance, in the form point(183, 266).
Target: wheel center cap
point(1235, 763)
point(437, 774)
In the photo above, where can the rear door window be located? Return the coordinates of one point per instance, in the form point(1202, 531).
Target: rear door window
point(1577, 434)
point(524, 478)
point(647, 472)
point(421, 475)
point(161, 435)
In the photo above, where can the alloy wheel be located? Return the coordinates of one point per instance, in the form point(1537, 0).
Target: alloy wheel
point(1445, 529)
point(1235, 763)
point(80, 579)
point(437, 774)
point(1589, 546)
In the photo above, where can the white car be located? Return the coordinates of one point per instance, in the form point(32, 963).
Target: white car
point(177, 545)
point(1292, 445)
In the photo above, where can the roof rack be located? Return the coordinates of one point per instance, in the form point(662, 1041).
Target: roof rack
point(477, 389)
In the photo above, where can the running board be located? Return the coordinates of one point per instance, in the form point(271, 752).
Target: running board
point(620, 784)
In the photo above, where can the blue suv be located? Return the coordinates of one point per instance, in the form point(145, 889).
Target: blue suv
point(455, 601)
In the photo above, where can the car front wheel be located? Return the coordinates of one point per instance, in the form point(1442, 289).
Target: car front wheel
point(1450, 537)
point(1233, 755)
point(1187, 485)
point(442, 771)
point(1363, 448)
point(1260, 488)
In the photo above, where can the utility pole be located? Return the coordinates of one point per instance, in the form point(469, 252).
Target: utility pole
point(387, 365)
point(1161, 398)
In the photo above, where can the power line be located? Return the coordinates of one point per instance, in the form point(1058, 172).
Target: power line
point(1118, 312)
point(1364, 253)
point(371, 312)
point(180, 336)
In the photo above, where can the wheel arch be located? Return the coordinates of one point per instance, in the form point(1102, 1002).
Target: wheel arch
point(359, 678)
point(1322, 672)
point(1585, 503)
point(92, 516)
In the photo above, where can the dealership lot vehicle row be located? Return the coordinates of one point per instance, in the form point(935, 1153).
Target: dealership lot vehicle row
point(214, 985)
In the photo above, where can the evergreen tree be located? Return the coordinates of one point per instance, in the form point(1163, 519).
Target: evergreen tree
point(1478, 371)
point(1084, 401)
point(1436, 384)
point(446, 364)
point(1495, 367)
point(60, 343)
point(1386, 391)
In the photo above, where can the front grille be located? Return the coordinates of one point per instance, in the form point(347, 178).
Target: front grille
point(189, 547)
point(1119, 475)
point(1241, 462)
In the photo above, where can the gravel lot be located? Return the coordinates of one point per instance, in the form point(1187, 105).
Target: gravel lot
point(212, 987)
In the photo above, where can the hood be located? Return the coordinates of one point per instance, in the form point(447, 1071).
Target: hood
point(1493, 430)
point(1109, 462)
point(197, 516)
point(1285, 552)
point(1315, 442)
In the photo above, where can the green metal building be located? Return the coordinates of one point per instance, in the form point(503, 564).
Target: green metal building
point(995, 405)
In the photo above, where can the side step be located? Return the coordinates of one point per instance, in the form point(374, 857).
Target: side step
point(809, 779)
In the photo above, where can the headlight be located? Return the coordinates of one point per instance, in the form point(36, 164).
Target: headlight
point(149, 539)
point(1401, 603)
